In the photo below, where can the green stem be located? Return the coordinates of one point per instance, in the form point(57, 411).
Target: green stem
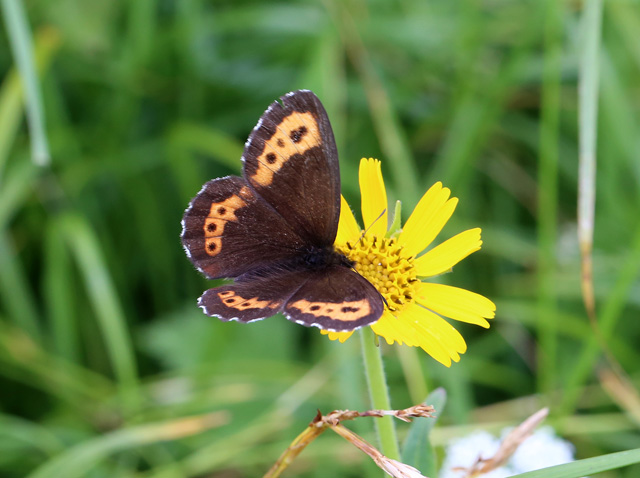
point(548, 198)
point(379, 393)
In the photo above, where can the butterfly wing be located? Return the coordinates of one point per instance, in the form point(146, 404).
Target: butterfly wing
point(291, 161)
point(252, 297)
point(262, 229)
point(282, 208)
point(336, 299)
point(227, 230)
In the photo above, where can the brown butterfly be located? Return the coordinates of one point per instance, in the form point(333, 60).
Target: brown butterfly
point(273, 229)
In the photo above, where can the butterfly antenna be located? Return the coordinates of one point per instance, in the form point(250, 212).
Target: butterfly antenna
point(371, 225)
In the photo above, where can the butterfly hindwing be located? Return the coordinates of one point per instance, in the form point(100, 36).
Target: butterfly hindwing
point(336, 299)
point(229, 230)
point(252, 297)
point(291, 160)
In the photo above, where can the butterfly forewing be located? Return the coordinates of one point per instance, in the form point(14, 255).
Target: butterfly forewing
point(291, 161)
point(228, 230)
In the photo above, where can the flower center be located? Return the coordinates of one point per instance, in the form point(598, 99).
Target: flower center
point(382, 262)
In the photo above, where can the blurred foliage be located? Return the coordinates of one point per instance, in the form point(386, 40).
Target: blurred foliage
point(108, 368)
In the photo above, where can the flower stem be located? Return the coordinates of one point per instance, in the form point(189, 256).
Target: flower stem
point(379, 393)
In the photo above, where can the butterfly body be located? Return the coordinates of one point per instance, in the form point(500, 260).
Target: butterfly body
point(273, 230)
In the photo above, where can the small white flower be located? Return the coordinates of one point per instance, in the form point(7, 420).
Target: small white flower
point(541, 450)
point(464, 452)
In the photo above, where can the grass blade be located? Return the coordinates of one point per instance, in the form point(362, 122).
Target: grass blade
point(60, 297)
point(25, 361)
point(548, 196)
point(11, 94)
point(393, 141)
point(589, 74)
point(587, 466)
point(15, 292)
point(21, 44)
point(77, 460)
point(104, 298)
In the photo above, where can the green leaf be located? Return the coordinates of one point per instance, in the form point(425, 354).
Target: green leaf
point(587, 466)
point(417, 450)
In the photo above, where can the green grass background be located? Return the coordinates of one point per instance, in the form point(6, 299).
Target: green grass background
point(103, 352)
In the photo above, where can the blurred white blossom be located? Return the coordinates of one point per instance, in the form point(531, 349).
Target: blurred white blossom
point(541, 450)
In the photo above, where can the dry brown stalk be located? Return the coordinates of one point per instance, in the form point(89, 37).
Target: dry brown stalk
point(332, 420)
point(508, 446)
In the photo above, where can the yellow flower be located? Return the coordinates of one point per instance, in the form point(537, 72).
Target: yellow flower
point(414, 310)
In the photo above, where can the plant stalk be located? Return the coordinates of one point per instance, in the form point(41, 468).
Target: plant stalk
point(379, 393)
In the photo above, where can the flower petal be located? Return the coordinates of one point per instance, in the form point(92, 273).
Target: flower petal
point(427, 219)
point(418, 327)
point(444, 256)
point(341, 336)
point(431, 338)
point(455, 303)
point(348, 229)
point(374, 197)
point(394, 329)
point(441, 330)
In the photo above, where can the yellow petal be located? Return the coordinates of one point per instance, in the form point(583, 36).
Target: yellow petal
point(348, 229)
point(418, 327)
point(395, 330)
point(374, 197)
point(440, 329)
point(431, 339)
point(427, 219)
point(341, 336)
point(455, 303)
point(443, 257)
point(443, 333)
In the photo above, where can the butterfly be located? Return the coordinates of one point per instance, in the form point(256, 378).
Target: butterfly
point(272, 230)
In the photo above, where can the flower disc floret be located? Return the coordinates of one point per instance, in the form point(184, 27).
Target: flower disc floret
point(382, 262)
